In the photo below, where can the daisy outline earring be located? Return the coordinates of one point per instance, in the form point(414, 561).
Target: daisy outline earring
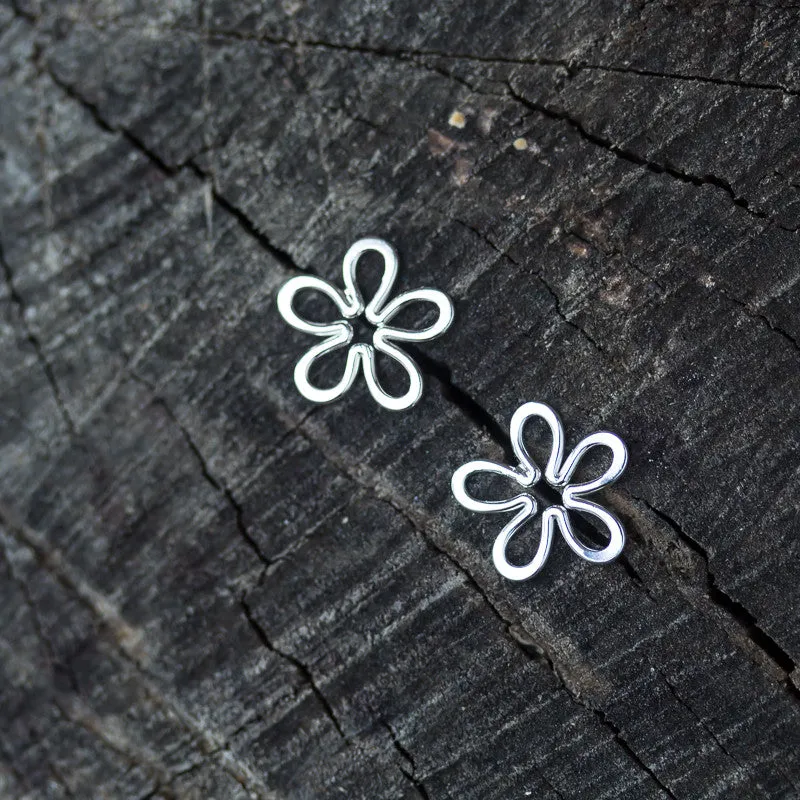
point(558, 473)
point(378, 312)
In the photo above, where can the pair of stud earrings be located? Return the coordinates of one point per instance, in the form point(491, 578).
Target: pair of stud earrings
point(558, 472)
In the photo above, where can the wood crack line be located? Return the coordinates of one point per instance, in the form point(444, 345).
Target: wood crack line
point(703, 724)
point(217, 484)
point(571, 65)
point(214, 481)
point(641, 161)
point(280, 255)
point(410, 772)
point(308, 677)
point(302, 668)
point(545, 285)
point(732, 608)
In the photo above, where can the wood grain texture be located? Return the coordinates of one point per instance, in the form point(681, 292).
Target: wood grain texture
point(209, 588)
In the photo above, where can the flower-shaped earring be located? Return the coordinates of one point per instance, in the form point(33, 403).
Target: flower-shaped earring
point(558, 474)
point(340, 333)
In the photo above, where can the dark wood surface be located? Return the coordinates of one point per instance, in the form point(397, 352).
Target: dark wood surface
point(210, 588)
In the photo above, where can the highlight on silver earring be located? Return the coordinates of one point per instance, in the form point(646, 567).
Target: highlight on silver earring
point(558, 473)
point(378, 312)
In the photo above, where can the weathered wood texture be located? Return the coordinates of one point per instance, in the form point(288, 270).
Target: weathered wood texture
point(211, 589)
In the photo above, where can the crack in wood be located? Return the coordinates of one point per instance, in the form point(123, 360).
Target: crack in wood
point(759, 316)
point(301, 668)
point(732, 608)
point(705, 726)
point(217, 484)
point(545, 285)
point(572, 66)
point(618, 737)
point(640, 161)
point(410, 770)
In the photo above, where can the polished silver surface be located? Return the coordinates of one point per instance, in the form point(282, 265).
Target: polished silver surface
point(558, 472)
point(378, 312)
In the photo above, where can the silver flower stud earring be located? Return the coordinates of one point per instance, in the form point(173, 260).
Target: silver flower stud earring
point(378, 312)
point(558, 473)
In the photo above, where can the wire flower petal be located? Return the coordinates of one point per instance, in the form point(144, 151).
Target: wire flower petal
point(348, 308)
point(526, 462)
point(460, 477)
point(443, 321)
point(338, 340)
point(619, 460)
point(372, 309)
point(414, 391)
point(502, 564)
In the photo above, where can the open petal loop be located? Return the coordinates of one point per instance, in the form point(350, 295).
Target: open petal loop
point(372, 310)
point(347, 307)
point(518, 421)
point(618, 461)
point(525, 504)
point(414, 391)
point(443, 321)
point(615, 530)
point(522, 573)
point(572, 496)
point(341, 337)
point(460, 477)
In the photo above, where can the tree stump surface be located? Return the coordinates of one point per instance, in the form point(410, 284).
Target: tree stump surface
point(213, 589)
